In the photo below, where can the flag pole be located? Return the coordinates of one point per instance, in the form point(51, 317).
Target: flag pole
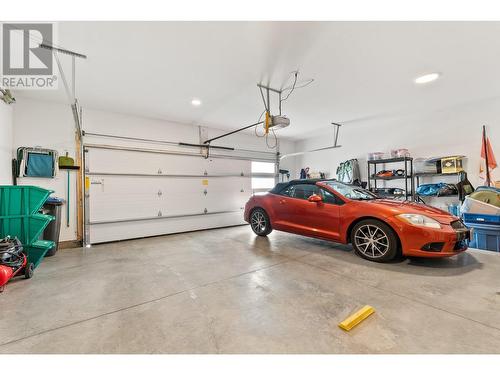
point(485, 145)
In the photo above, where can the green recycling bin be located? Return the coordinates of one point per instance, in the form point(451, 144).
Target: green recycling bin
point(19, 217)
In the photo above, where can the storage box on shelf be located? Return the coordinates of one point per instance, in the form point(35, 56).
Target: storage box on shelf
point(452, 164)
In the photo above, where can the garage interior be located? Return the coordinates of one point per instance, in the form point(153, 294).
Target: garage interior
point(162, 131)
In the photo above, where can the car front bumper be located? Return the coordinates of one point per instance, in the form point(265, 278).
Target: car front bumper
point(433, 243)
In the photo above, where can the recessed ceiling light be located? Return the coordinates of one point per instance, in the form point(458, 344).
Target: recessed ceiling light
point(196, 102)
point(426, 78)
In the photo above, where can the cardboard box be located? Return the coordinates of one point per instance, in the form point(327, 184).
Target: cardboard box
point(451, 165)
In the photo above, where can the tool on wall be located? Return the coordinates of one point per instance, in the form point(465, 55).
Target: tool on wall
point(36, 162)
point(7, 96)
point(68, 164)
point(77, 117)
point(70, 93)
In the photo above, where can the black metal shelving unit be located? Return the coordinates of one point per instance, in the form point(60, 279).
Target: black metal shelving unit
point(407, 177)
point(460, 177)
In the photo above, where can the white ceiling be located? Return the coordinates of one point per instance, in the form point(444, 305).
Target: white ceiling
point(360, 69)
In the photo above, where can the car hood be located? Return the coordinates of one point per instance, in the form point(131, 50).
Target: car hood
point(405, 207)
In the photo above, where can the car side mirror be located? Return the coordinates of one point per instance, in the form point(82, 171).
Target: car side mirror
point(315, 198)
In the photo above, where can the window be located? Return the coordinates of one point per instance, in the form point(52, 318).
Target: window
point(330, 198)
point(262, 167)
point(301, 191)
point(263, 175)
point(351, 192)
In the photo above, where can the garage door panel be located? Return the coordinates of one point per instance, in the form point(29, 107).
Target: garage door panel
point(117, 197)
point(138, 229)
point(118, 161)
point(216, 166)
point(227, 194)
point(114, 198)
point(182, 196)
point(124, 202)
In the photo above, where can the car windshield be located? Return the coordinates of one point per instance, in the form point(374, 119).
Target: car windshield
point(351, 192)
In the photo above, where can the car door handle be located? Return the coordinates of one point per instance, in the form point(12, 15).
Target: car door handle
point(282, 201)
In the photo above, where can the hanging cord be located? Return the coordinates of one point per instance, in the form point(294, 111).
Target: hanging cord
point(275, 140)
point(256, 126)
point(271, 146)
point(296, 73)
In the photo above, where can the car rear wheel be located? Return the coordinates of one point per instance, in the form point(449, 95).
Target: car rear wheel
point(260, 223)
point(374, 240)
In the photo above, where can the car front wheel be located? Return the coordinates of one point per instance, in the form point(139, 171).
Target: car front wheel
point(374, 240)
point(260, 223)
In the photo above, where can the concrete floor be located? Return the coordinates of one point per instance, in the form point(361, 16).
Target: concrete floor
point(227, 291)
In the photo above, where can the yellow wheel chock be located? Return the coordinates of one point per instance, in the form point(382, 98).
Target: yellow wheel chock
point(356, 318)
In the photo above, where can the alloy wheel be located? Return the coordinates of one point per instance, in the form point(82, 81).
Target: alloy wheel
point(258, 222)
point(372, 241)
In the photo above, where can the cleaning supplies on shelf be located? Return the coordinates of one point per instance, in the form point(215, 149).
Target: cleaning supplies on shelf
point(303, 173)
point(66, 161)
point(454, 208)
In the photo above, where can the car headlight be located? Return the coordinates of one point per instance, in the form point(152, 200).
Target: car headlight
point(420, 220)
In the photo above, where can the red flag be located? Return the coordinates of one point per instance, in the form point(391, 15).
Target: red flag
point(486, 154)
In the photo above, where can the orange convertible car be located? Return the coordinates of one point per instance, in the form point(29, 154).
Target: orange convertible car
point(379, 229)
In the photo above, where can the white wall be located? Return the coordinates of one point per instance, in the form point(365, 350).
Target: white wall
point(50, 125)
point(451, 131)
point(6, 139)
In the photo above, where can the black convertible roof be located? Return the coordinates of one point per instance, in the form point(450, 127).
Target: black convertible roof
point(311, 181)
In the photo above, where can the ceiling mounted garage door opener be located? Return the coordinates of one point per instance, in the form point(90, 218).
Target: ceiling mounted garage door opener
point(270, 123)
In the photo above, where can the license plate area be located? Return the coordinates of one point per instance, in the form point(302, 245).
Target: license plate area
point(463, 235)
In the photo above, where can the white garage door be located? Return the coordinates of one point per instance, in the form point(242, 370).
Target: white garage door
point(138, 193)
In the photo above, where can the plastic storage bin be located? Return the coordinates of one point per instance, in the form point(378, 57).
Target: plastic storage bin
point(26, 228)
point(400, 153)
point(485, 237)
point(376, 156)
point(472, 205)
point(21, 200)
point(19, 217)
point(421, 165)
point(482, 219)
